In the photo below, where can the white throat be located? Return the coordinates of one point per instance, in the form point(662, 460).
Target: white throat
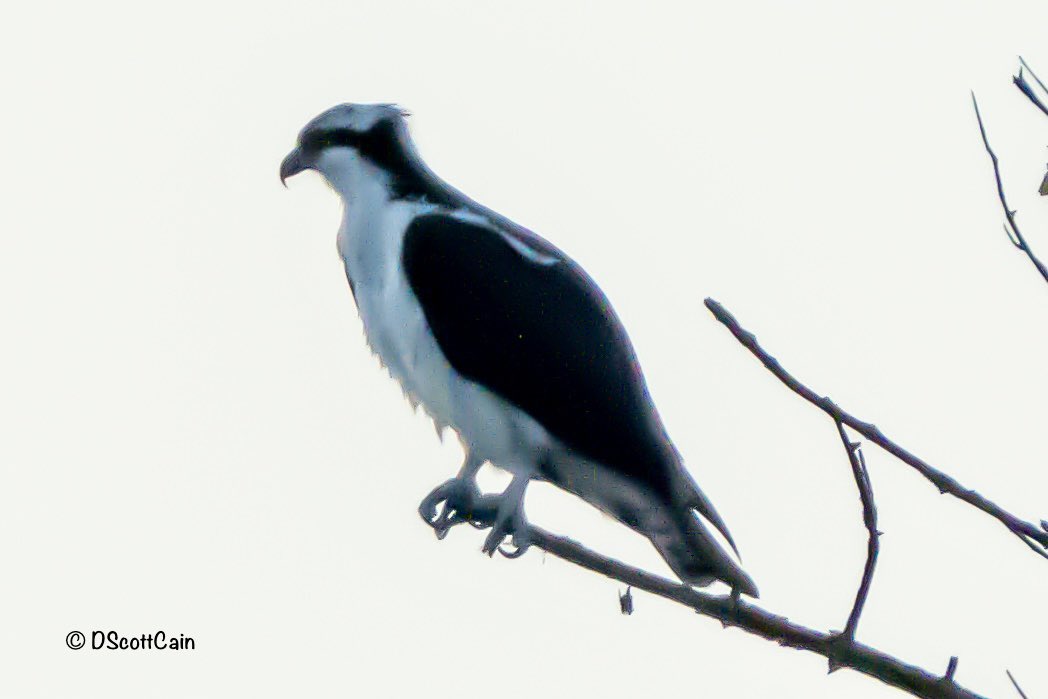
point(355, 179)
point(368, 241)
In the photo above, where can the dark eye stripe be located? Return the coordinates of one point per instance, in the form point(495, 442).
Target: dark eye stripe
point(318, 140)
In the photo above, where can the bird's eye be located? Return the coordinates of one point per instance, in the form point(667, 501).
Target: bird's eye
point(320, 140)
point(316, 142)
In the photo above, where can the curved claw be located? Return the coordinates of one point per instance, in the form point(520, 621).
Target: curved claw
point(427, 509)
point(443, 523)
point(517, 551)
point(516, 528)
point(448, 518)
point(521, 542)
point(493, 541)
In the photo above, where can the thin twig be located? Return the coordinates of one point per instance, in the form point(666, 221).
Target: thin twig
point(951, 668)
point(1016, 685)
point(1033, 536)
point(1020, 82)
point(1017, 239)
point(869, 518)
point(1027, 67)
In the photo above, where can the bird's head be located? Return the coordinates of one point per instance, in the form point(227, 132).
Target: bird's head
point(346, 139)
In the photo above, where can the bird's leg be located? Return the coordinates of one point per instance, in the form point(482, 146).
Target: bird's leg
point(509, 520)
point(459, 495)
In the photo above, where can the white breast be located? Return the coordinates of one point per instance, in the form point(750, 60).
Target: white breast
point(370, 243)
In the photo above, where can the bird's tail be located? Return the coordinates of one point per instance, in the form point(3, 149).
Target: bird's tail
point(695, 556)
point(687, 544)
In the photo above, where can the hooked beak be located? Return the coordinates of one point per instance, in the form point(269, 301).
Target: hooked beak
point(292, 165)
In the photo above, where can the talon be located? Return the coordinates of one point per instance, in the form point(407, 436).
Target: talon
point(522, 538)
point(508, 520)
point(443, 522)
point(499, 531)
point(427, 509)
point(456, 497)
point(493, 541)
point(521, 542)
point(516, 552)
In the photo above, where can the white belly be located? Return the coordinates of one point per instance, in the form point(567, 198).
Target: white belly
point(396, 329)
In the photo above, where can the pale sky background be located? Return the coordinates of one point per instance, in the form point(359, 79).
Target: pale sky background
point(196, 439)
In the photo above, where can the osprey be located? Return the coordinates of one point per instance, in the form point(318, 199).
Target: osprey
point(505, 339)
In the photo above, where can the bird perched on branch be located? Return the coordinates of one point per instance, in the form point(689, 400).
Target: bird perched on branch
point(502, 337)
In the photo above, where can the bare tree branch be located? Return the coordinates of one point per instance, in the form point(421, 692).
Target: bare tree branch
point(1016, 685)
point(869, 518)
point(1020, 82)
point(733, 611)
point(1027, 67)
point(1015, 234)
point(1033, 536)
point(736, 612)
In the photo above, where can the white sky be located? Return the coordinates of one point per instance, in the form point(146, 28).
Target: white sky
point(196, 439)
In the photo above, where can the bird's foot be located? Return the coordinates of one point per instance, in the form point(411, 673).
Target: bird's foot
point(508, 521)
point(459, 501)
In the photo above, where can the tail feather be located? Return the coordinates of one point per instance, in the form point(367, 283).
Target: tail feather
point(701, 504)
point(687, 492)
point(696, 557)
point(673, 515)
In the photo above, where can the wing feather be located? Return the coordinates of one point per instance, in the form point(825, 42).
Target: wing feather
point(523, 319)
